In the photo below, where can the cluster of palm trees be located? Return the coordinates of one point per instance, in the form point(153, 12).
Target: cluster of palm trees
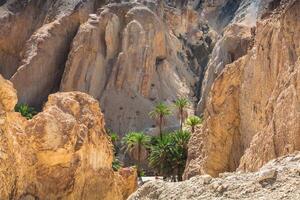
point(168, 151)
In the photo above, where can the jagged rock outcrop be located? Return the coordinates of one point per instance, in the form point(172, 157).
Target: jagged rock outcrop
point(137, 61)
point(45, 47)
point(146, 52)
point(252, 114)
point(62, 153)
point(235, 42)
point(279, 179)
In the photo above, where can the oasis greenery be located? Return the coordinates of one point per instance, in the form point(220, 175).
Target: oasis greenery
point(167, 153)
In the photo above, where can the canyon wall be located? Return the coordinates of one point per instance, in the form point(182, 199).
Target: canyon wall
point(252, 111)
point(130, 59)
point(129, 55)
point(62, 153)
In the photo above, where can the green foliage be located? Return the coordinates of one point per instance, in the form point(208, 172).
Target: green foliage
point(25, 110)
point(181, 104)
point(193, 121)
point(116, 164)
point(168, 154)
point(114, 137)
point(160, 111)
point(135, 141)
point(142, 173)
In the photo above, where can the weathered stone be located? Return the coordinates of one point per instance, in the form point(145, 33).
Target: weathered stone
point(45, 52)
point(233, 186)
point(133, 65)
point(267, 175)
point(8, 96)
point(62, 153)
point(252, 114)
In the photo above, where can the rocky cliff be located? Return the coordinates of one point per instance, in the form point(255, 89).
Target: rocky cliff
point(62, 153)
point(127, 55)
point(237, 61)
point(252, 111)
point(137, 61)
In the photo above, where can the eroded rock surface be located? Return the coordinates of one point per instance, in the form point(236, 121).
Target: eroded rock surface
point(45, 51)
point(252, 114)
point(129, 58)
point(62, 153)
point(146, 52)
point(279, 179)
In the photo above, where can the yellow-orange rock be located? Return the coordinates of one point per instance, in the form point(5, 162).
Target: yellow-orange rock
point(253, 111)
point(62, 153)
point(8, 96)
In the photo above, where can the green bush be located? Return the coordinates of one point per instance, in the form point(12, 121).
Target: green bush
point(26, 110)
point(168, 154)
point(136, 141)
point(116, 164)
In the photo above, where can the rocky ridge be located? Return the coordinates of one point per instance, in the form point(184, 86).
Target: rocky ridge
point(147, 52)
point(62, 153)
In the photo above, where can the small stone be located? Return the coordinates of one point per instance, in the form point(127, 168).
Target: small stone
point(206, 179)
point(267, 175)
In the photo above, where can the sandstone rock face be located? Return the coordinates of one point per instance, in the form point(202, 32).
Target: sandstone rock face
point(252, 114)
point(62, 153)
point(8, 96)
point(279, 179)
point(146, 52)
point(235, 43)
point(235, 21)
point(45, 51)
point(129, 59)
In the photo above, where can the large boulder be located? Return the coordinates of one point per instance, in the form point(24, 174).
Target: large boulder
point(62, 153)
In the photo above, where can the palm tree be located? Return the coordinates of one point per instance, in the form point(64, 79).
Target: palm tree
point(169, 154)
point(180, 141)
point(181, 104)
point(193, 121)
point(160, 111)
point(161, 155)
point(136, 141)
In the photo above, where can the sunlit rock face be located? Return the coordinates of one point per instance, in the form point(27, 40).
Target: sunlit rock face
point(146, 52)
point(62, 153)
point(129, 58)
point(252, 111)
point(34, 43)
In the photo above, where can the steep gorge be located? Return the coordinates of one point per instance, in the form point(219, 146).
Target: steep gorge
point(236, 61)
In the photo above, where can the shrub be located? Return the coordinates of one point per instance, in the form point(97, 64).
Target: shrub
point(136, 141)
point(116, 164)
point(25, 110)
point(168, 154)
